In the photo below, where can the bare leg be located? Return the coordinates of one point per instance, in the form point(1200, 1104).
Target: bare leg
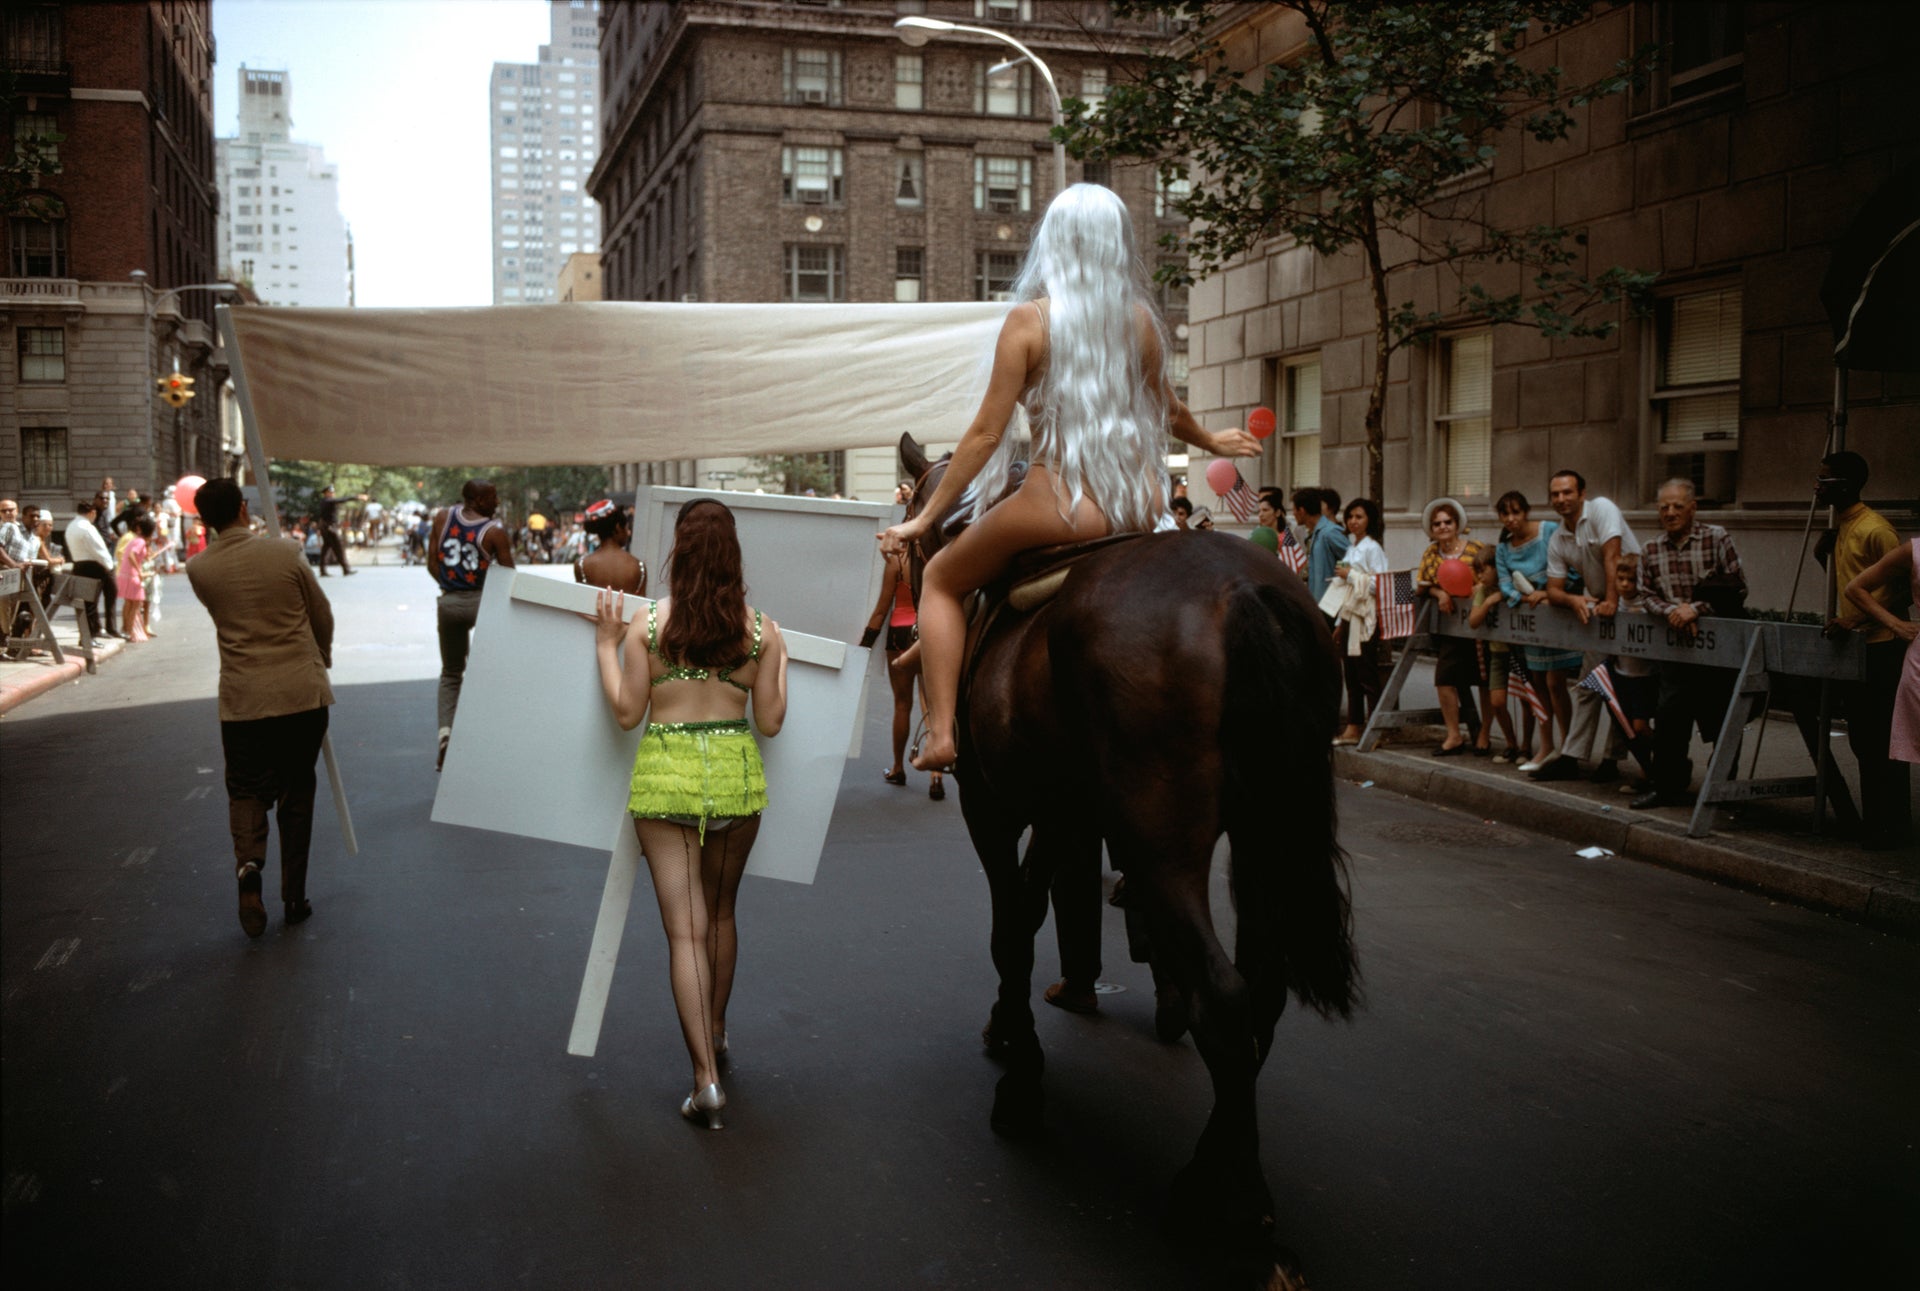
point(1498, 712)
point(673, 857)
point(1030, 518)
point(1450, 714)
point(1562, 703)
point(722, 862)
point(901, 680)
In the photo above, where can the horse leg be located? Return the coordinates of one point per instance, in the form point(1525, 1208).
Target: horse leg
point(1222, 1190)
point(1019, 893)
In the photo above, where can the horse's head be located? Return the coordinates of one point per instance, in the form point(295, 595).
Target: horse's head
point(926, 478)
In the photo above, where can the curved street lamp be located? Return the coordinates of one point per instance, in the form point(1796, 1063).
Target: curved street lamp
point(916, 31)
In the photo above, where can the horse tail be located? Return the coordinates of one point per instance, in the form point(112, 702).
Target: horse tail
point(1288, 872)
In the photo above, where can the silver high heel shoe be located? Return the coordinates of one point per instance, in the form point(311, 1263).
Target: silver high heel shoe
point(703, 1105)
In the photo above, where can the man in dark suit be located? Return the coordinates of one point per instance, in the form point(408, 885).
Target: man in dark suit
point(275, 630)
point(330, 544)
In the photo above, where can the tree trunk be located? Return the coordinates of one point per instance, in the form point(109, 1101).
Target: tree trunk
point(1377, 391)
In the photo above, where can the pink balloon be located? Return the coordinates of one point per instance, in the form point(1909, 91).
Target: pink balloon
point(1222, 475)
point(183, 493)
point(1455, 578)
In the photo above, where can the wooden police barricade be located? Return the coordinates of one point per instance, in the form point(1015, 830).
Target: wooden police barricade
point(15, 583)
point(1759, 651)
point(78, 592)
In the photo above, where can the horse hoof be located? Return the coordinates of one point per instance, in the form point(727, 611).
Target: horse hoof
point(996, 1046)
point(1169, 1016)
point(1285, 1275)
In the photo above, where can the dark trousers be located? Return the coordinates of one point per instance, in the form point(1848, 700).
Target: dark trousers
point(1077, 913)
point(330, 545)
point(1362, 672)
point(1690, 695)
point(1885, 807)
point(94, 569)
point(270, 768)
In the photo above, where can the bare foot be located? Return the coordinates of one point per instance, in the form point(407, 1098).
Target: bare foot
point(936, 754)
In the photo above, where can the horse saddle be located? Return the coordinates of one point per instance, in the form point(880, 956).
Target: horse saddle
point(1031, 581)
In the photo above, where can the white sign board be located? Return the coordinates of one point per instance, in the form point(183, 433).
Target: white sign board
point(811, 563)
point(532, 687)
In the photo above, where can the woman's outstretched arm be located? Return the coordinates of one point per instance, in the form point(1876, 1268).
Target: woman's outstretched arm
point(628, 686)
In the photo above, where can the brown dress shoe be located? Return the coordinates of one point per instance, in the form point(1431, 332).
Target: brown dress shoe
point(1074, 999)
point(299, 911)
point(253, 913)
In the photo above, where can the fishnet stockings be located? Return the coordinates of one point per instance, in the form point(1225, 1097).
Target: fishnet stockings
point(695, 885)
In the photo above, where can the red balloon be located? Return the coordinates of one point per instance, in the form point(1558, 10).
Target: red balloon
point(1222, 476)
point(1455, 578)
point(1260, 423)
point(184, 491)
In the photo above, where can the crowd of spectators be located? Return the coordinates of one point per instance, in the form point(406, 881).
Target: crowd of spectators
point(1588, 562)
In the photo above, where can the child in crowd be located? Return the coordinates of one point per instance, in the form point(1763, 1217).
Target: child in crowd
point(1633, 679)
point(1493, 663)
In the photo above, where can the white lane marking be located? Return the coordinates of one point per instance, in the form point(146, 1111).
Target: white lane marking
point(58, 953)
point(138, 857)
point(200, 792)
point(150, 977)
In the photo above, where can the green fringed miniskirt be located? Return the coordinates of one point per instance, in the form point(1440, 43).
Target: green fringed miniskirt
point(697, 771)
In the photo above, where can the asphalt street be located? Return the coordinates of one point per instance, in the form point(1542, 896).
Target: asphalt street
point(1570, 1073)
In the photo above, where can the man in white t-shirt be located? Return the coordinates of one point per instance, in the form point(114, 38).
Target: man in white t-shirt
point(1586, 550)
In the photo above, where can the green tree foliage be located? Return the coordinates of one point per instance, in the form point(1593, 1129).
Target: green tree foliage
point(1379, 140)
point(797, 472)
point(554, 490)
point(26, 159)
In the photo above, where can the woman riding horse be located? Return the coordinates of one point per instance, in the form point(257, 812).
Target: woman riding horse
point(1084, 354)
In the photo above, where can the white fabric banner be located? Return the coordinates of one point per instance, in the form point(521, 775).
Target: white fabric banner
point(590, 384)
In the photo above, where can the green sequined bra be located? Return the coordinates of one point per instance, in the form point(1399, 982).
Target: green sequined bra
point(680, 672)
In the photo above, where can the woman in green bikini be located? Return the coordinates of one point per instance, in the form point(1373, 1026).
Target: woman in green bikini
point(691, 665)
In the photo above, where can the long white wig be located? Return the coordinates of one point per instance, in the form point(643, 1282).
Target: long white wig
point(1100, 426)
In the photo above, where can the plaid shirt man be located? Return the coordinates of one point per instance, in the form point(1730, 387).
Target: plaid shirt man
point(1671, 568)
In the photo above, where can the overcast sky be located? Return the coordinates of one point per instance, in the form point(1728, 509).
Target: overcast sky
point(396, 92)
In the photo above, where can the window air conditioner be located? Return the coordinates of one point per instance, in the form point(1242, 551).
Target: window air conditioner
point(813, 196)
point(813, 96)
point(1001, 205)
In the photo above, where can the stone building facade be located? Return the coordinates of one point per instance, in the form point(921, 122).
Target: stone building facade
point(124, 213)
point(1732, 174)
point(796, 152)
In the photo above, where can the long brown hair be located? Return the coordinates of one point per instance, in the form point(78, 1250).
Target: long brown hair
point(708, 626)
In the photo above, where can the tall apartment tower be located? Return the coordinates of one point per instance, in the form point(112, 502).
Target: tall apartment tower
point(280, 224)
point(545, 121)
point(803, 152)
point(113, 105)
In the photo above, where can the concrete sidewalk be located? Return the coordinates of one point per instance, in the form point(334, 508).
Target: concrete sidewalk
point(1765, 847)
point(24, 679)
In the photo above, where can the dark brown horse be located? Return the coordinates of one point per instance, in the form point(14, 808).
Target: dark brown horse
point(1178, 686)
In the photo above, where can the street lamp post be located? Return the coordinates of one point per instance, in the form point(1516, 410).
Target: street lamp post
point(917, 31)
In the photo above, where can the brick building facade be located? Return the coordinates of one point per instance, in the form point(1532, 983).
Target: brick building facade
point(779, 152)
point(126, 89)
point(1732, 175)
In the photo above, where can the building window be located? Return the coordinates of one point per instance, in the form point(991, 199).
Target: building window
point(1093, 87)
point(815, 273)
point(1003, 185)
point(811, 75)
point(1168, 194)
point(909, 273)
point(994, 272)
point(1097, 172)
point(43, 457)
point(909, 82)
point(1004, 10)
point(1297, 446)
point(811, 176)
point(39, 247)
point(1171, 297)
point(43, 354)
point(1465, 416)
point(37, 133)
point(1704, 46)
point(909, 179)
point(1696, 394)
point(1178, 371)
point(1005, 93)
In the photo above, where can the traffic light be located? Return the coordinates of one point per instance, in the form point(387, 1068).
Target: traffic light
point(175, 388)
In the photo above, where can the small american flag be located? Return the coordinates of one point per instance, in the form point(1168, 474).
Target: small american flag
point(1291, 553)
point(1241, 500)
point(1600, 681)
point(1520, 681)
point(1394, 599)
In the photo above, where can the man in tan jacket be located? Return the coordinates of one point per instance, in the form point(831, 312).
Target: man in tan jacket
point(275, 629)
